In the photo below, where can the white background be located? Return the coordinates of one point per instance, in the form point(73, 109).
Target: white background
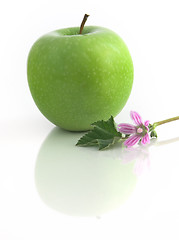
point(58, 191)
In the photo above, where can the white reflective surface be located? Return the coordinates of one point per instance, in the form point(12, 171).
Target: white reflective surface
point(52, 188)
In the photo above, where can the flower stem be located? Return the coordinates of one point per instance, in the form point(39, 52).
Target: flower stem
point(83, 23)
point(165, 121)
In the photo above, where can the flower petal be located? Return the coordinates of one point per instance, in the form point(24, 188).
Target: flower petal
point(126, 128)
point(136, 117)
point(146, 123)
point(145, 139)
point(132, 140)
point(147, 129)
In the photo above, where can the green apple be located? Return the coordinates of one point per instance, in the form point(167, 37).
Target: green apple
point(76, 79)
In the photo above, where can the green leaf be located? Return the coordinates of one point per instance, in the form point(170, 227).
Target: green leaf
point(103, 134)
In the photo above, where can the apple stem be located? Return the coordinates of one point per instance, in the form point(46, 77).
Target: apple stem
point(83, 23)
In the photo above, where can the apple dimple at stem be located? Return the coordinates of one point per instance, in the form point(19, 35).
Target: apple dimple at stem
point(76, 79)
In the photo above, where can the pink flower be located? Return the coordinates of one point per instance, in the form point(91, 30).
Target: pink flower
point(138, 132)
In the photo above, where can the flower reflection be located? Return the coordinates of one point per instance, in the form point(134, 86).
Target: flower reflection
point(141, 157)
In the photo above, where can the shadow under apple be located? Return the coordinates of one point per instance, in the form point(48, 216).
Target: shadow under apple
point(81, 181)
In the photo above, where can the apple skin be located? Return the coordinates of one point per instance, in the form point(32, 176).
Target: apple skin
point(76, 79)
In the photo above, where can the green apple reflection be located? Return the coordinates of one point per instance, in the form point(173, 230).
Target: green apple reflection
point(81, 181)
